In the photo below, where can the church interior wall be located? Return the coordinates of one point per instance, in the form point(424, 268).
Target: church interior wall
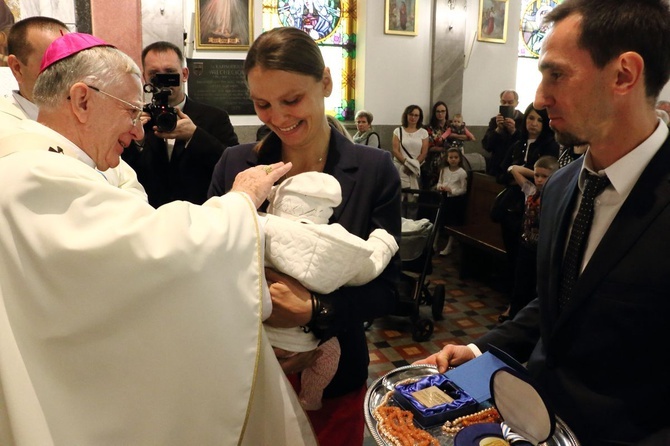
point(444, 61)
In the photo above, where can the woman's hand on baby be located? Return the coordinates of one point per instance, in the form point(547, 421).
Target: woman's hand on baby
point(291, 303)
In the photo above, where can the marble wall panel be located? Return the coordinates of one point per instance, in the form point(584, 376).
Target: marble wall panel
point(62, 10)
point(163, 20)
point(119, 23)
point(448, 55)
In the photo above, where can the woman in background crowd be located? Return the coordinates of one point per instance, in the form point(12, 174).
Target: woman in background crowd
point(410, 148)
point(436, 158)
point(537, 140)
point(365, 135)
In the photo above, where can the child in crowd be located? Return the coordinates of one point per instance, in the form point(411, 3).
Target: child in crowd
point(323, 257)
point(454, 181)
point(457, 133)
point(525, 277)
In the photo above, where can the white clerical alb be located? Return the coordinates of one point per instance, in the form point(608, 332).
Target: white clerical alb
point(125, 324)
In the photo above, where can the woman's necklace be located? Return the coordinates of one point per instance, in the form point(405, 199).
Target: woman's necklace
point(317, 166)
point(321, 157)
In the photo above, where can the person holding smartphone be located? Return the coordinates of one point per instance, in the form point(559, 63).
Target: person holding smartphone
point(503, 130)
point(507, 111)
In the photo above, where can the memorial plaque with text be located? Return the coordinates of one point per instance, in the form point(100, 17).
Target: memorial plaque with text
point(220, 83)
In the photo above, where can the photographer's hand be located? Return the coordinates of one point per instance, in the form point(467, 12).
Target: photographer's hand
point(183, 130)
point(510, 125)
point(500, 123)
point(145, 118)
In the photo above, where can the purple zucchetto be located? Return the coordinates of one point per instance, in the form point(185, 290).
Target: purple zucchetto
point(68, 45)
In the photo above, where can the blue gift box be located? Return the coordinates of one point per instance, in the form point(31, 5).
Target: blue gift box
point(468, 384)
point(462, 403)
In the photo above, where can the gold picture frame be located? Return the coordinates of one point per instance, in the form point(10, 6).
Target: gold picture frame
point(493, 21)
point(223, 24)
point(400, 17)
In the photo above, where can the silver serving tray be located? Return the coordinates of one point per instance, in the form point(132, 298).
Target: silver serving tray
point(563, 436)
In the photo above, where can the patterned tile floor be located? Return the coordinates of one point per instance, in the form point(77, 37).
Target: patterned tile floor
point(471, 308)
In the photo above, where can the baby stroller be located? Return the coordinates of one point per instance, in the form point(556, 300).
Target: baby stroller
point(416, 250)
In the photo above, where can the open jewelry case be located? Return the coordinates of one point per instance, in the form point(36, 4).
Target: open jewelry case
point(488, 389)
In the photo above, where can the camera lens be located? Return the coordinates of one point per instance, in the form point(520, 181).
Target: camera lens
point(166, 121)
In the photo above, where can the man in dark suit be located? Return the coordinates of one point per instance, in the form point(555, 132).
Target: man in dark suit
point(600, 357)
point(501, 134)
point(178, 164)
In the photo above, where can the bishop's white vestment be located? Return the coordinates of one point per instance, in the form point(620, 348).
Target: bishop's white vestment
point(121, 324)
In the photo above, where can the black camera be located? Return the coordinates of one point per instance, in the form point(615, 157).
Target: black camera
point(163, 115)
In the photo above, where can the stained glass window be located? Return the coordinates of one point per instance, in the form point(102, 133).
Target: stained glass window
point(332, 24)
point(532, 28)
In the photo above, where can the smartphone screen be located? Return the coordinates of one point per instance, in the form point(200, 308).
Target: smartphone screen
point(507, 111)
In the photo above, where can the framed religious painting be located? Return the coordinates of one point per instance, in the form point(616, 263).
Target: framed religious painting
point(400, 17)
point(223, 24)
point(493, 21)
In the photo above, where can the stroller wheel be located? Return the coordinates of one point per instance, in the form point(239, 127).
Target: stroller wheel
point(422, 330)
point(438, 302)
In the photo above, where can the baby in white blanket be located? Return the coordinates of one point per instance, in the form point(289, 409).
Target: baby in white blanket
point(323, 257)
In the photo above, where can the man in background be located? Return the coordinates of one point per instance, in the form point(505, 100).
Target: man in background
point(501, 133)
point(27, 41)
point(178, 164)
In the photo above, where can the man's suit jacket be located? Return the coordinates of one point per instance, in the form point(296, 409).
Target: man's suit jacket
point(187, 174)
point(602, 360)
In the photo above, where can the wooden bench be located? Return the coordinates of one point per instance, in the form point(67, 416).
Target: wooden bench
point(481, 241)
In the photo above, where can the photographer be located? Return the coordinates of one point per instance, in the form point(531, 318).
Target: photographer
point(501, 133)
point(177, 164)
